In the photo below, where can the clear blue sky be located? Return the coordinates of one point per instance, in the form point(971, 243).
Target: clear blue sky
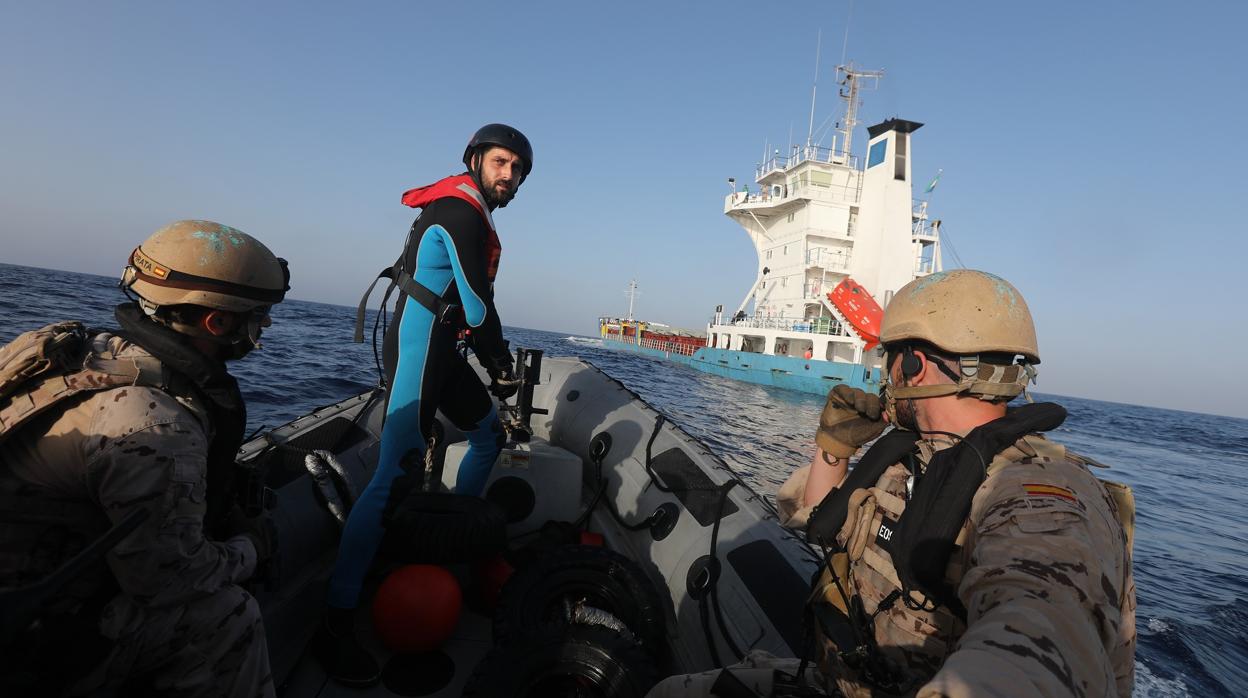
point(1092, 152)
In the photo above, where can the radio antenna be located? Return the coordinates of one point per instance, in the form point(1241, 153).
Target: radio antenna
point(810, 130)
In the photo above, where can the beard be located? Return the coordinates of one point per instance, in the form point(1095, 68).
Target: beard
point(497, 196)
point(901, 412)
point(906, 417)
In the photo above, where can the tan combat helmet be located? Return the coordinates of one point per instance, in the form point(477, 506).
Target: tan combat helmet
point(205, 264)
point(967, 313)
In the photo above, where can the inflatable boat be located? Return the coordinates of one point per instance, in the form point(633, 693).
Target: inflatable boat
point(612, 548)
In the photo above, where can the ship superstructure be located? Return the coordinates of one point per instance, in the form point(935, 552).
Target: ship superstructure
point(835, 238)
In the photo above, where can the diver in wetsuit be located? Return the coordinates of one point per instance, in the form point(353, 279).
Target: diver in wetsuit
point(446, 274)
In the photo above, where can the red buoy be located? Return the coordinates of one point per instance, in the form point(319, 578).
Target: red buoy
point(416, 608)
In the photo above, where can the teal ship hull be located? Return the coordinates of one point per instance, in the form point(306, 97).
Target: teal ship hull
point(787, 372)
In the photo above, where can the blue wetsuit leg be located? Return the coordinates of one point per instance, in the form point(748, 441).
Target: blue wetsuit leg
point(402, 433)
point(483, 450)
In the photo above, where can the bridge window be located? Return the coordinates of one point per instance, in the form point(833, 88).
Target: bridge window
point(876, 155)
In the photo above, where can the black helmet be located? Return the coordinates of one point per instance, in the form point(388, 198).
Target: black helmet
point(503, 136)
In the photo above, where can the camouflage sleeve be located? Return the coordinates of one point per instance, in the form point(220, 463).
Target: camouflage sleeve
point(157, 461)
point(1043, 589)
point(789, 500)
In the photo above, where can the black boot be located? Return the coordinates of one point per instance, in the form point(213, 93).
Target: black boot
point(343, 657)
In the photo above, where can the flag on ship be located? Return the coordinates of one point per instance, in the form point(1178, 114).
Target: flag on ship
point(932, 186)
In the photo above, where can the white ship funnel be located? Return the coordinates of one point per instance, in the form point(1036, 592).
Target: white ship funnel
point(883, 234)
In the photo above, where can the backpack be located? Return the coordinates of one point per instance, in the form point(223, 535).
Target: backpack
point(44, 367)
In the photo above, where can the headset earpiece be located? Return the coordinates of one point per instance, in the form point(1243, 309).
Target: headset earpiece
point(910, 364)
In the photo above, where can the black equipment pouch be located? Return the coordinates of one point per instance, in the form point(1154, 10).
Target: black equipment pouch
point(828, 517)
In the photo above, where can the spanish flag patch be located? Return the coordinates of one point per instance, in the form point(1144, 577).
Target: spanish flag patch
point(1040, 490)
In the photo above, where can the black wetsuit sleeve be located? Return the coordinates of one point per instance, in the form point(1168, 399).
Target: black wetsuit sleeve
point(466, 237)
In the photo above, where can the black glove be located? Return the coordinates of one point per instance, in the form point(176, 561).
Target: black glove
point(503, 383)
point(259, 529)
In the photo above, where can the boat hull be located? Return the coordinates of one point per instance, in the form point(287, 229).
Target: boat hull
point(712, 527)
point(787, 372)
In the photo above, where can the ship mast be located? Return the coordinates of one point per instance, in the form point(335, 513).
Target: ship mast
point(632, 293)
point(848, 76)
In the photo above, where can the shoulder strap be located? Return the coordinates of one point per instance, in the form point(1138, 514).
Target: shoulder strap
point(437, 305)
point(937, 510)
point(828, 517)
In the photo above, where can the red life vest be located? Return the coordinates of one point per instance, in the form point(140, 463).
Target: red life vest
point(461, 187)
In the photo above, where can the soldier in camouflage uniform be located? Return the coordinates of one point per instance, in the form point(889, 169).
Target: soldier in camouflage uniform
point(152, 421)
point(966, 554)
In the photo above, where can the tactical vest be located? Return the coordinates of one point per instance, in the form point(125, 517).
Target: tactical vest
point(895, 641)
point(41, 371)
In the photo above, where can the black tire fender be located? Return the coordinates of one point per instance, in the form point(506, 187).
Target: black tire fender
point(441, 527)
point(581, 660)
point(538, 593)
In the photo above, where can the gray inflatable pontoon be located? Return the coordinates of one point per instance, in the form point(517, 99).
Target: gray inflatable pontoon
point(729, 577)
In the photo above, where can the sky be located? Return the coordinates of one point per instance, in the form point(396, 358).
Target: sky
point(1092, 152)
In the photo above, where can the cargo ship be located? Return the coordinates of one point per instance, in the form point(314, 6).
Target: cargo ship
point(835, 238)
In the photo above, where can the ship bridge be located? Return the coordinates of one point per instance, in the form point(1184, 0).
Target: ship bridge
point(817, 216)
point(808, 173)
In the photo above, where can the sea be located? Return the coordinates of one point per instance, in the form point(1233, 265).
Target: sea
point(1191, 541)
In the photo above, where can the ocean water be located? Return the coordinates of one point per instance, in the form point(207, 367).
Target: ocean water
point(1191, 545)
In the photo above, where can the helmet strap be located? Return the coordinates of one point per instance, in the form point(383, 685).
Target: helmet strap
point(983, 380)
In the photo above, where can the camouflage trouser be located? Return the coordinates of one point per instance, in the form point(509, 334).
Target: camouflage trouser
point(757, 672)
point(214, 646)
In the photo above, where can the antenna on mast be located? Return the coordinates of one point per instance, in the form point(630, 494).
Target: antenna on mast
point(849, 17)
point(810, 130)
point(632, 294)
point(848, 76)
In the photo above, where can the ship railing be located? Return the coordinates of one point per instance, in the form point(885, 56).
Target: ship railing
point(667, 346)
point(805, 153)
point(777, 162)
point(844, 193)
point(922, 229)
point(816, 291)
point(828, 258)
point(828, 326)
point(924, 266)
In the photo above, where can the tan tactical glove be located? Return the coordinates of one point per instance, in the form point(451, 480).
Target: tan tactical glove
point(850, 419)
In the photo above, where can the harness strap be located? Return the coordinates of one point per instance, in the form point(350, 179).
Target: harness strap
point(442, 311)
